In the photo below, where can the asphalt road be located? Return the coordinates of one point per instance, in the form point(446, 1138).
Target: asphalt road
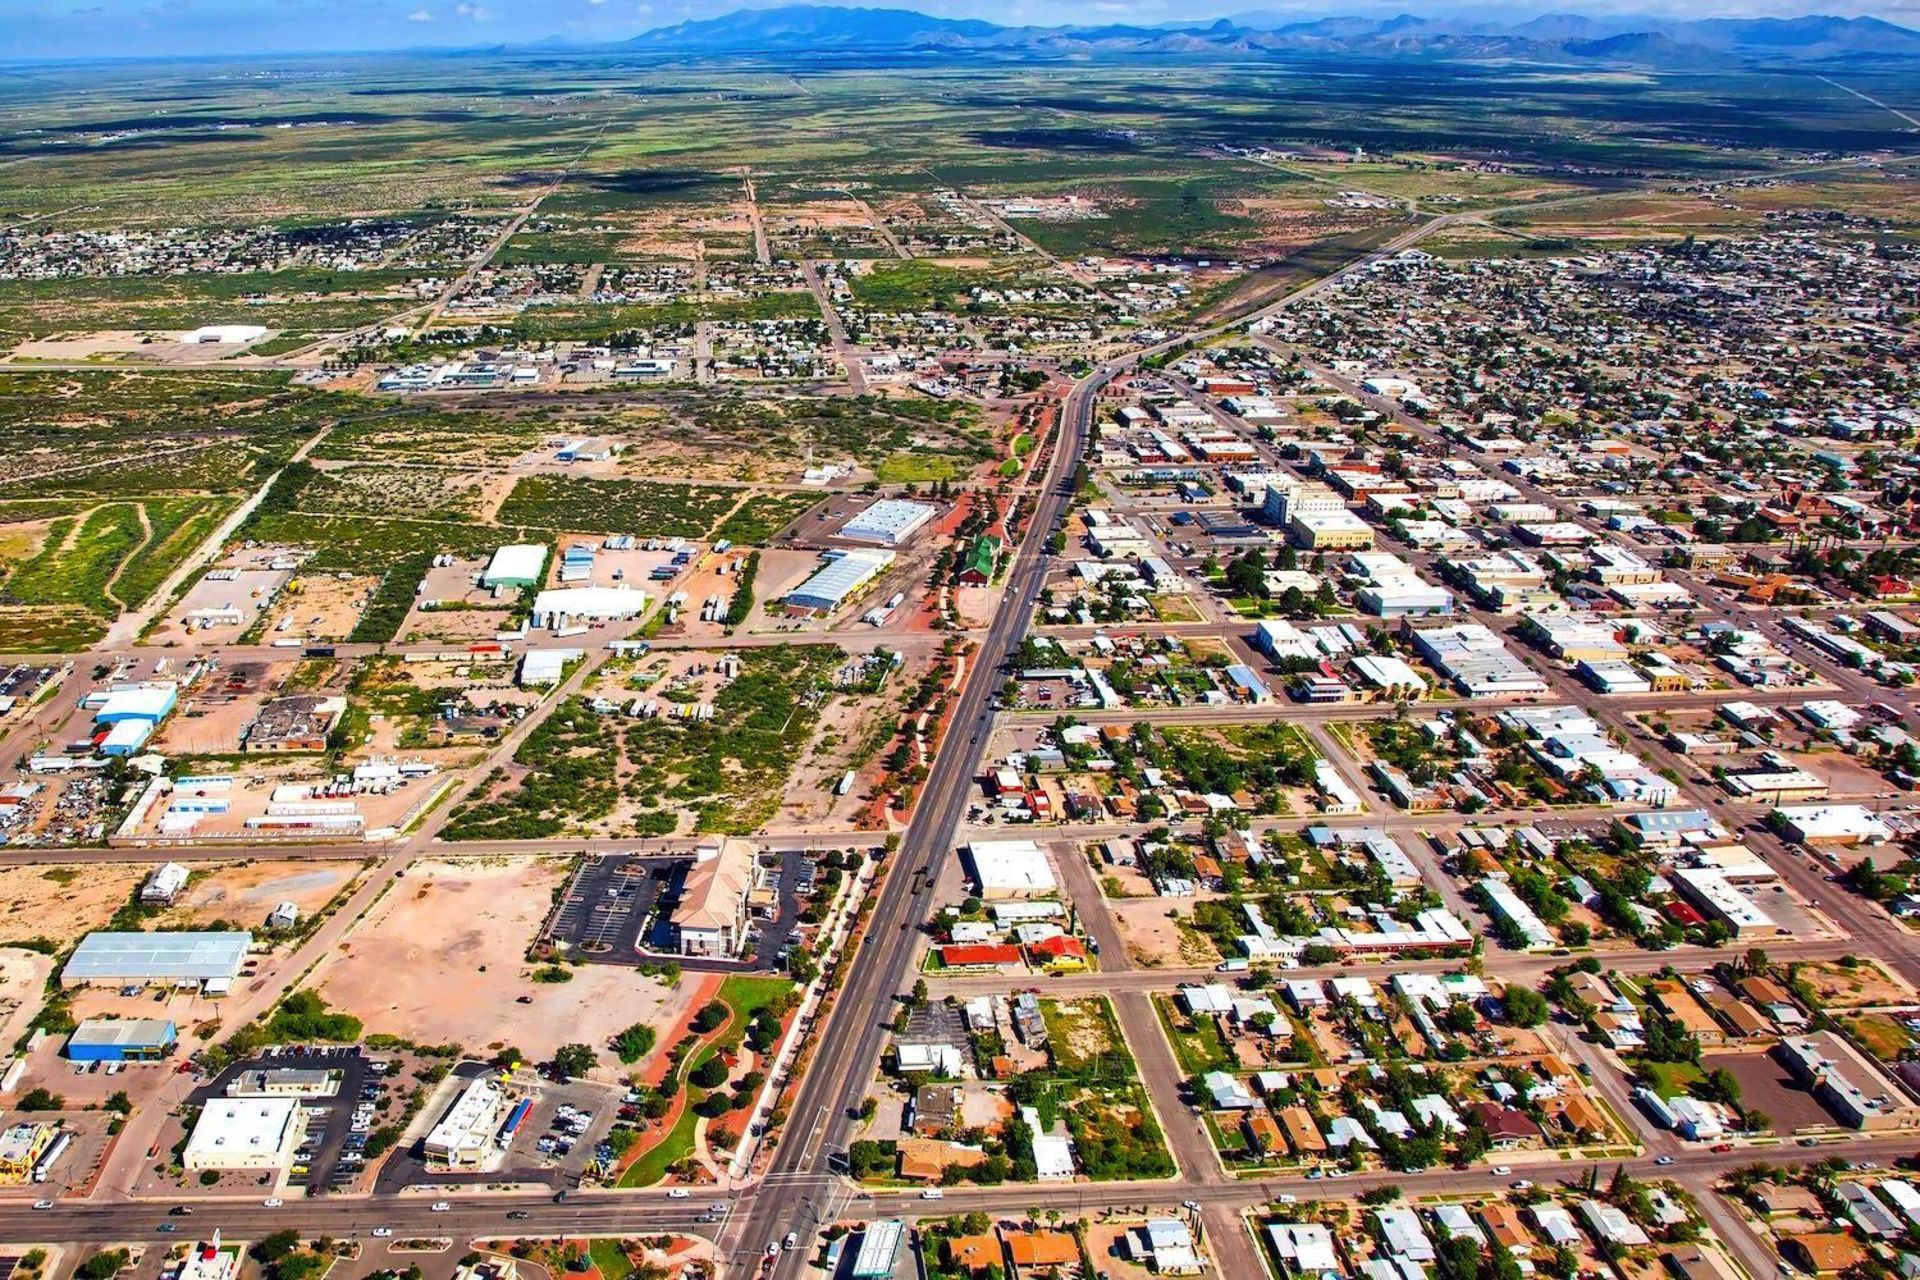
point(855, 1032)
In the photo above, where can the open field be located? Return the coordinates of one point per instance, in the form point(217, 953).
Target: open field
point(63, 902)
point(241, 894)
point(441, 960)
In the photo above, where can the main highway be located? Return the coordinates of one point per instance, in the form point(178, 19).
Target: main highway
point(849, 1049)
point(843, 1062)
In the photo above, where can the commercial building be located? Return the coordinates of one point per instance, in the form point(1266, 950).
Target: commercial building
point(515, 566)
point(1286, 499)
point(21, 1146)
point(542, 667)
point(245, 1133)
point(879, 1250)
point(1009, 869)
point(1508, 906)
point(1394, 590)
point(1330, 531)
point(711, 918)
point(464, 1135)
point(145, 703)
point(178, 959)
point(568, 606)
point(1709, 889)
point(1848, 1087)
point(122, 1040)
point(1476, 660)
point(284, 1082)
point(888, 522)
point(845, 573)
point(1284, 642)
point(1833, 825)
point(301, 722)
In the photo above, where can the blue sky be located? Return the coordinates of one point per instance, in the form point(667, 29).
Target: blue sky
point(133, 28)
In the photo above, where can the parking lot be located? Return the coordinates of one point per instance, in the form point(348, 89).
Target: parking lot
point(619, 909)
point(609, 902)
point(329, 1157)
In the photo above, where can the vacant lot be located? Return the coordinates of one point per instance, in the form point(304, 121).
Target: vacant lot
point(63, 902)
point(441, 959)
point(1767, 1086)
point(1866, 986)
point(243, 893)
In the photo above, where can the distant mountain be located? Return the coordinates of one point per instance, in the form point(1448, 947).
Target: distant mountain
point(806, 26)
point(1561, 37)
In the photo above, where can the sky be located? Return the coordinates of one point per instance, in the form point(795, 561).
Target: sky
point(38, 29)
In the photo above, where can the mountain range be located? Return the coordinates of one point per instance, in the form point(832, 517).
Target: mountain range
point(1646, 41)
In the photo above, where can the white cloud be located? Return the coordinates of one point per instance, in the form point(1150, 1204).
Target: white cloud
point(420, 15)
point(477, 12)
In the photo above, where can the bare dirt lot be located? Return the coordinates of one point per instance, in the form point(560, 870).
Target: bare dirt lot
point(244, 893)
point(23, 982)
point(64, 901)
point(1866, 987)
point(1154, 940)
point(321, 606)
point(441, 959)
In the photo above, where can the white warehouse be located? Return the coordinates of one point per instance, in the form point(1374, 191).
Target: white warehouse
point(564, 606)
point(888, 522)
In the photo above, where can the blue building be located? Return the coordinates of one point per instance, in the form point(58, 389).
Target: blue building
point(122, 1040)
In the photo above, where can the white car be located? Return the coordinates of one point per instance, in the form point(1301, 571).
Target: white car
point(272, 1202)
point(1522, 1185)
point(441, 1206)
point(933, 1193)
point(1287, 1197)
point(383, 1231)
point(1663, 1161)
point(1502, 1170)
point(678, 1193)
point(43, 1204)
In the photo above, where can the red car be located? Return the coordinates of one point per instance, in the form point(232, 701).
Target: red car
point(1725, 1146)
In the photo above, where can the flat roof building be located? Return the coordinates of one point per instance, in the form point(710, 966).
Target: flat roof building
point(464, 1134)
point(1010, 869)
point(888, 522)
point(565, 606)
point(121, 1040)
point(1717, 898)
point(879, 1250)
point(245, 1133)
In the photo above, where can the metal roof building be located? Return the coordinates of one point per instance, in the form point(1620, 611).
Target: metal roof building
point(156, 957)
point(888, 521)
point(845, 573)
point(515, 565)
point(121, 1040)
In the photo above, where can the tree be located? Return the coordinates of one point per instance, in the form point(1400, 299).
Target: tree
point(573, 1060)
point(635, 1043)
point(710, 1074)
point(43, 1100)
point(103, 1265)
point(276, 1246)
point(1525, 1007)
